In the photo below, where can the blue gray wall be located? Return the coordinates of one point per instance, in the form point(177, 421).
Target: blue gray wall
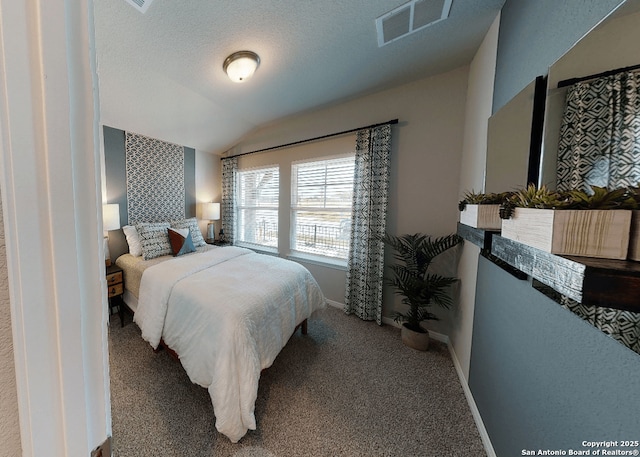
point(541, 377)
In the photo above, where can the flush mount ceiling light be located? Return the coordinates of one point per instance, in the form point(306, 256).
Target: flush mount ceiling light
point(240, 65)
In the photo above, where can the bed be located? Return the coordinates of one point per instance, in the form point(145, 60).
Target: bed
point(226, 312)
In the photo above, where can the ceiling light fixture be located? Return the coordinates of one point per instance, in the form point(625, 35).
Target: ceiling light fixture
point(240, 65)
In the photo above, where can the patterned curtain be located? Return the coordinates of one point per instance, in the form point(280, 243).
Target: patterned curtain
point(600, 145)
point(600, 134)
point(365, 266)
point(228, 206)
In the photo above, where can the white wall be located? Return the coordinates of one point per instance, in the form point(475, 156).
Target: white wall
point(426, 154)
point(49, 173)
point(474, 153)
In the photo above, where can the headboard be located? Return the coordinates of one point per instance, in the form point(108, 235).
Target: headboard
point(151, 180)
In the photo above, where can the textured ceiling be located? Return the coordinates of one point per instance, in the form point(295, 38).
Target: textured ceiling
point(160, 73)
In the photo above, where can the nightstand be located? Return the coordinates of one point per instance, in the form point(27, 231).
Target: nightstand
point(115, 289)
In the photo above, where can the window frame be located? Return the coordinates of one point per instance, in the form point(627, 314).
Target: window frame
point(239, 208)
point(314, 257)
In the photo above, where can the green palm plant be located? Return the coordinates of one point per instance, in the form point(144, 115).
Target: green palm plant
point(543, 198)
point(412, 280)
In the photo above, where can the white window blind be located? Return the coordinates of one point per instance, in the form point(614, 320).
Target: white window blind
point(257, 207)
point(321, 199)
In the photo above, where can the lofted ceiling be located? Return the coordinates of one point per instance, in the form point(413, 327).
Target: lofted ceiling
point(160, 73)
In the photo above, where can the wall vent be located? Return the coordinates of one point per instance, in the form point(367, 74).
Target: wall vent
point(140, 5)
point(409, 18)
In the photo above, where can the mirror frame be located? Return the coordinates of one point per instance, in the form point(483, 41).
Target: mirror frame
point(504, 127)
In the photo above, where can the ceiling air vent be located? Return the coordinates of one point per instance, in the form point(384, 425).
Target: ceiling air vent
point(410, 17)
point(140, 5)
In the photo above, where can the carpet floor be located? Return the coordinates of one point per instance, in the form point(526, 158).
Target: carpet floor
point(348, 388)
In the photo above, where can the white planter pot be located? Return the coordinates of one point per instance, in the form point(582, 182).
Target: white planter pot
point(481, 216)
point(415, 340)
point(588, 233)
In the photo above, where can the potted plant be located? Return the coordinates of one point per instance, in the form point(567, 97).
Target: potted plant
point(481, 211)
point(419, 288)
point(570, 223)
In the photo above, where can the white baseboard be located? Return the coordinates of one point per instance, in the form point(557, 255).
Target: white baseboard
point(484, 436)
point(335, 304)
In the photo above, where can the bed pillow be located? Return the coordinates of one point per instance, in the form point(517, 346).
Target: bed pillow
point(180, 240)
point(133, 240)
point(192, 225)
point(154, 239)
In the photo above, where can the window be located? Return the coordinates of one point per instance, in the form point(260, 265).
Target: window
point(257, 207)
point(321, 197)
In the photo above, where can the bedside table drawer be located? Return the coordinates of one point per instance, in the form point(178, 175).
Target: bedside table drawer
point(114, 278)
point(115, 290)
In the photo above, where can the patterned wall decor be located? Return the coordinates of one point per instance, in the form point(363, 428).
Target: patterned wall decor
point(155, 180)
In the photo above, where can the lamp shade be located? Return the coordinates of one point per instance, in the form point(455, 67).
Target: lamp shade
point(241, 65)
point(110, 216)
point(211, 211)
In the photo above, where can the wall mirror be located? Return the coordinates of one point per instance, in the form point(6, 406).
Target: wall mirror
point(514, 140)
point(611, 45)
point(609, 48)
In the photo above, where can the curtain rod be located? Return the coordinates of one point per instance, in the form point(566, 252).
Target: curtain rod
point(572, 81)
point(391, 122)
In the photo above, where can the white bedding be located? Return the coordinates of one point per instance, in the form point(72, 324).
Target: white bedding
point(227, 313)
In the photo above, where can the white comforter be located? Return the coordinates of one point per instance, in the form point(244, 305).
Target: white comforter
point(227, 313)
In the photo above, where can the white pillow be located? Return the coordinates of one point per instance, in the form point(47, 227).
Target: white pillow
point(133, 240)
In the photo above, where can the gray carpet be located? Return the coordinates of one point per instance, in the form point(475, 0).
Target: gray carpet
point(348, 388)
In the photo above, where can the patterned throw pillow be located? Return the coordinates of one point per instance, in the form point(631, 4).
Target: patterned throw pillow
point(192, 225)
point(154, 239)
point(180, 240)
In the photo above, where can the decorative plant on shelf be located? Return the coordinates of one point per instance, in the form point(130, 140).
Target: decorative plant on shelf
point(543, 198)
point(413, 281)
point(601, 198)
point(634, 194)
point(585, 223)
point(475, 198)
point(480, 210)
point(531, 197)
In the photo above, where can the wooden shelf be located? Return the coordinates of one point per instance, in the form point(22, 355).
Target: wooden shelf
point(482, 238)
point(598, 282)
point(591, 281)
point(479, 237)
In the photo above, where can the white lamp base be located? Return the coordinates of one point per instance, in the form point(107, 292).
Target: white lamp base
point(211, 231)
